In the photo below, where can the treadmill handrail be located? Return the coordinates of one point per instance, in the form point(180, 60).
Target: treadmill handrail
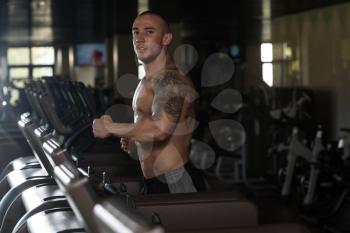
point(81, 196)
point(112, 217)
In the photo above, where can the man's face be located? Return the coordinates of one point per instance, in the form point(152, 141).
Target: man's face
point(148, 35)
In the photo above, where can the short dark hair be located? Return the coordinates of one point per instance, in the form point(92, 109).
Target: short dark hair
point(165, 22)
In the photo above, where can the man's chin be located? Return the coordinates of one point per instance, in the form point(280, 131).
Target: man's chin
point(144, 60)
point(141, 58)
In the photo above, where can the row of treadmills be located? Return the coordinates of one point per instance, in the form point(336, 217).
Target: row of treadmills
point(74, 183)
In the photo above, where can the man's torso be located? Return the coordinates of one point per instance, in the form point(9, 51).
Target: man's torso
point(159, 157)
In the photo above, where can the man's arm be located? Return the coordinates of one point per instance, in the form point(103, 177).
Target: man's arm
point(169, 103)
point(127, 145)
point(146, 129)
point(99, 128)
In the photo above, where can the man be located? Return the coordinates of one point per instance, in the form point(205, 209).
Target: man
point(163, 113)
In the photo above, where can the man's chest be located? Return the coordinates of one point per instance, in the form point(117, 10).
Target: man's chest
point(143, 98)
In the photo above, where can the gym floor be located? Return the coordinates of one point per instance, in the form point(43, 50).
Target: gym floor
point(273, 209)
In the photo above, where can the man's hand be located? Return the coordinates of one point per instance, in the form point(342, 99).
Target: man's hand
point(100, 126)
point(127, 145)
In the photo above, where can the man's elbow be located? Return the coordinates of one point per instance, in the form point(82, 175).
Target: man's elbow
point(163, 130)
point(161, 136)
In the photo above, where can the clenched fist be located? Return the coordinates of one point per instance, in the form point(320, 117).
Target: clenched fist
point(100, 126)
point(127, 145)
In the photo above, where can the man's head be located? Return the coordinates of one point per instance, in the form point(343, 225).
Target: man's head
point(151, 36)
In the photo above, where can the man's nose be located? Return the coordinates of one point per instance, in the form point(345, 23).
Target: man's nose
point(140, 37)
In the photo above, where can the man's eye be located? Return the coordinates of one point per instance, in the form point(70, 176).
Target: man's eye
point(135, 32)
point(150, 32)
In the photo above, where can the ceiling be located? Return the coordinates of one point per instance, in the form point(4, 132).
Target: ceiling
point(73, 21)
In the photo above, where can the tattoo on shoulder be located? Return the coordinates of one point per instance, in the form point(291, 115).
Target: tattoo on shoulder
point(170, 93)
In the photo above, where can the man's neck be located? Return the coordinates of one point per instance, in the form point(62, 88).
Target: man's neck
point(155, 67)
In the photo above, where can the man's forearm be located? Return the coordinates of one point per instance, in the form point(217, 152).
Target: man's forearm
point(145, 130)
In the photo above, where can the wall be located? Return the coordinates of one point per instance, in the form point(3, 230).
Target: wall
point(121, 61)
point(321, 42)
point(86, 75)
point(252, 67)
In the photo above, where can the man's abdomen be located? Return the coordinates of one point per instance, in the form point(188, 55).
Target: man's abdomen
point(164, 157)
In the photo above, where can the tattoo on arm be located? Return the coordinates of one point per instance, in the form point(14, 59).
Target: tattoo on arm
point(170, 94)
point(174, 106)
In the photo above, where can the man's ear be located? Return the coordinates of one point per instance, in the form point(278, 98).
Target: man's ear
point(167, 38)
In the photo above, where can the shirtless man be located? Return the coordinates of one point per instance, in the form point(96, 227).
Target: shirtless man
point(163, 113)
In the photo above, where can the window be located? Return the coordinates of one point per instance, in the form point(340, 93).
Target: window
point(267, 72)
point(39, 72)
point(266, 52)
point(28, 62)
point(43, 56)
point(34, 62)
point(141, 70)
point(18, 56)
point(19, 73)
point(266, 59)
point(280, 64)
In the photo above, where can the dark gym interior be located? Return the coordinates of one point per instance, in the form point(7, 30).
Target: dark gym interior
point(272, 135)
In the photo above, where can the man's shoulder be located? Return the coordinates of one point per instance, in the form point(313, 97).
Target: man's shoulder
point(174, 76)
